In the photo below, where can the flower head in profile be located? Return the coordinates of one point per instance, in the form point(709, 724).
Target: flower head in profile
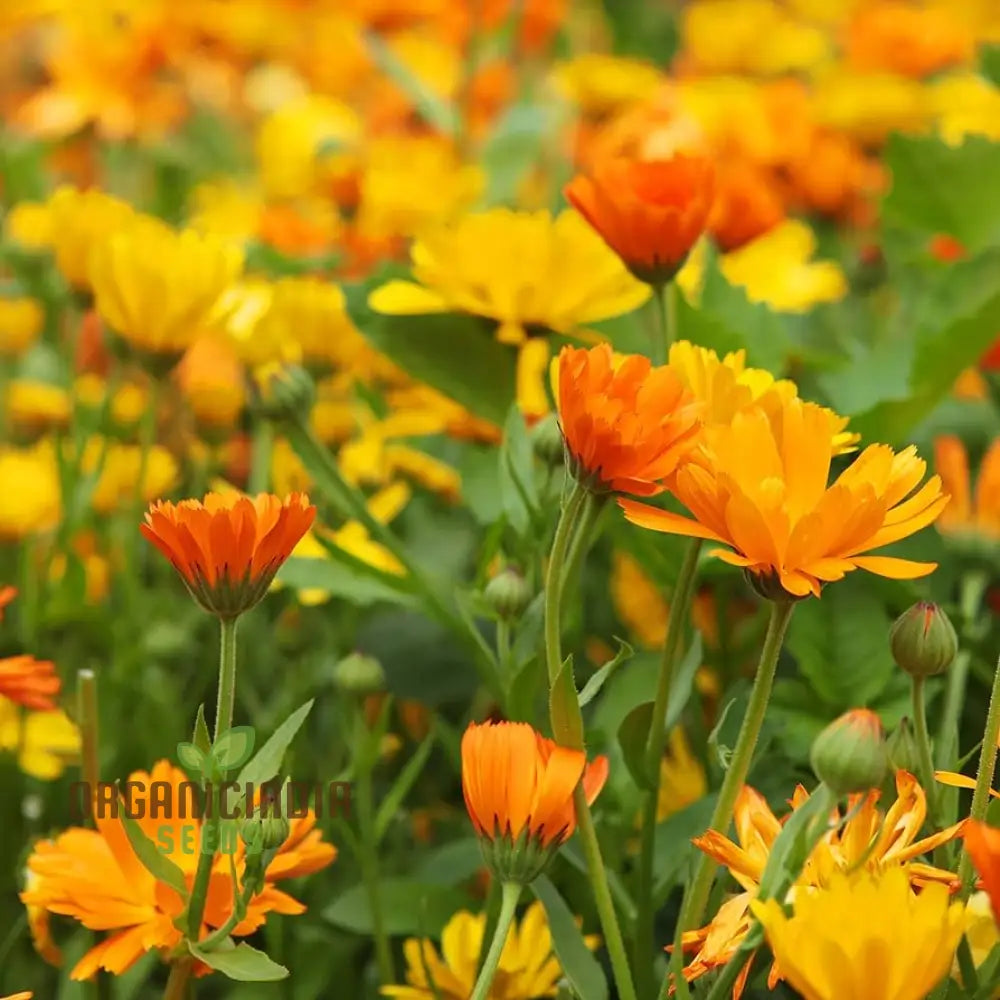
point(95, 876)
point(29, 682)
point(871, 837)
point(228, 547)
point(890, 943)
point(518, 787)
point(974, 512)
point(759, 486)
point(528, 968)
point(983, 844)
point(626, 424)
point(651, 213)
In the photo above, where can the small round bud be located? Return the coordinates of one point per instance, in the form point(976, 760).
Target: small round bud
point(904, 754)
point(358, 673)
point(282, 392)
point(547, 440)
point(508, 594)
point(265, 834)
point(923, 640)
point(850, 754)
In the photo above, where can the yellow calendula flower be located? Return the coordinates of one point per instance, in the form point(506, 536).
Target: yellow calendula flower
point(21, 322)
point(45, 742)
point(119, 466)
point(868, 106)
point(28, 226)
point(158, 288)
point(82, 221)
point(981, 932)
point(887, 943)
point(600, 84)
point(776, 269)
point(965, 104)
point(528, 272)
point(36, 504)
point(225, 207)
point(33, 407)
point(128, 405)
point(682, 776)
point(528, 967)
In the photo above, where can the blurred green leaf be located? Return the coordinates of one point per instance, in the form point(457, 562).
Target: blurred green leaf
point(450, 863)
point(402, 786)
point(409, 907)
point(633, 734)
point(598, 679)
point(673, 850)
point(517, 473)
point(989, 63)
point(240, 962)
point(564, 707)
point(578, 964)
point(516, 144)
point(201, 738)
point(339, 580)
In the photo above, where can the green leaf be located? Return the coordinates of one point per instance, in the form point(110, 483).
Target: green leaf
point(401, 787)
point(937, 188)
point(841, 644)
point(233, 747)
point(578, 963)
point(455, 353)
point(564, 707)
point(989, 63)
point(450, 863)
point(152, 858)
point(240, 962)
point(267, 761)
point(673, 851)
point(518, 493)
point(633, 735)
point(598, 679)
point(338, 580)
point(682, 683)
point(192, 759)
point(202, 739)
point(407, 905)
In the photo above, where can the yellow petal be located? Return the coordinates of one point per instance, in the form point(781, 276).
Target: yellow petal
point(405, 298)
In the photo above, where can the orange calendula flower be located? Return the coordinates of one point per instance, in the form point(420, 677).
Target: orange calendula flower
point(759, 485)
point(972, 512)
point(626, 424)
point(95, 877)
point(870, 838)
point(29, 682)
point(649, 212)
point(228, 547)
point(983, 844)
point(518, 788)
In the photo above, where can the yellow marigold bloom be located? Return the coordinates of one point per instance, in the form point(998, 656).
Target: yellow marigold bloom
point(45, 742)
point(119, 465)
point(226, 208)
point(21, 322)
point(966, 104)
point(36, 504)
point(33, 407)
point(212, 383)
point(971, 512)
point(600, 84)
point(96, 567)
point(981, 931)
point(290, 141)
point(868, 106)
point(408, 183)
point(28, 225)
point(682, 776)
point(528, 967)
point(759, 485)
point(776, 269)
point(889, 944)
point(869, 838)
point(288, 474)
point(127, 406)
point(158, 288)
point(245, 304)
point(82, 221)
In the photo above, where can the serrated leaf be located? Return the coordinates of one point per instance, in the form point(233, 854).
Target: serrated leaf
point(240, 962)
point(564, 707)
point(233, 747)
point(633, 735)
point(597, 680)
point(267, 761)
point(152, 858)
point(578, 964)
point(201, 738)
point(191, 758)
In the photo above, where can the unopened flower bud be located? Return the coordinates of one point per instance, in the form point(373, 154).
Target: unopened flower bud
point(508, 594)
point(265, 834)
point(360, 674)
point(904, 755)
point(283, 391)
point(547, 440)
point(850, 754)
point(923, 640)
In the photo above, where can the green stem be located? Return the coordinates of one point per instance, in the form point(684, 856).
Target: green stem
point(581, 539)
point(666, 299)
point(723, 986)
point(554, 578)
point(210, 828)
point(984, 780)
point(656, 744)
point(147, 438)
point(180, 973)
point(510, 894)
point(926, 760)
point(368, 859)
point(260, 457)
point(954, 699)
point(739, 765)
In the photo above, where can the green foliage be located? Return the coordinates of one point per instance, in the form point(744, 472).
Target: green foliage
point(410, 907)
point(241, 962)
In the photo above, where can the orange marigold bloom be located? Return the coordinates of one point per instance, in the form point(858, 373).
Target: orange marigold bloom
point(29, 682)
point(518, 787)
point(626, 424)
point(983, 844)
point(228, 547)
point(747, 205)
point(649, 212)
point(759, 485)
point(95, 877)
point(869, 837)
point(971, 512)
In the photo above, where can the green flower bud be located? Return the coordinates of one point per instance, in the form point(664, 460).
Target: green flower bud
point(359, 674)
point(904, 755)
point(283, 392)
point(923, 640)
point(265, 834)
point(850, 755)
point(508, 594)
point(547, 440)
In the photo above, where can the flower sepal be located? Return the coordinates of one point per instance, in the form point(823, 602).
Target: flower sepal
point(521, 859)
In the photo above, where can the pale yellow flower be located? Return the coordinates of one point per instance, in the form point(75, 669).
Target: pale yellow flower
point(20, 324)
point(32, 406)
point(45, 742)
point(600, 84)
point(80, 222)
point(36, 504)
point(118, 466)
